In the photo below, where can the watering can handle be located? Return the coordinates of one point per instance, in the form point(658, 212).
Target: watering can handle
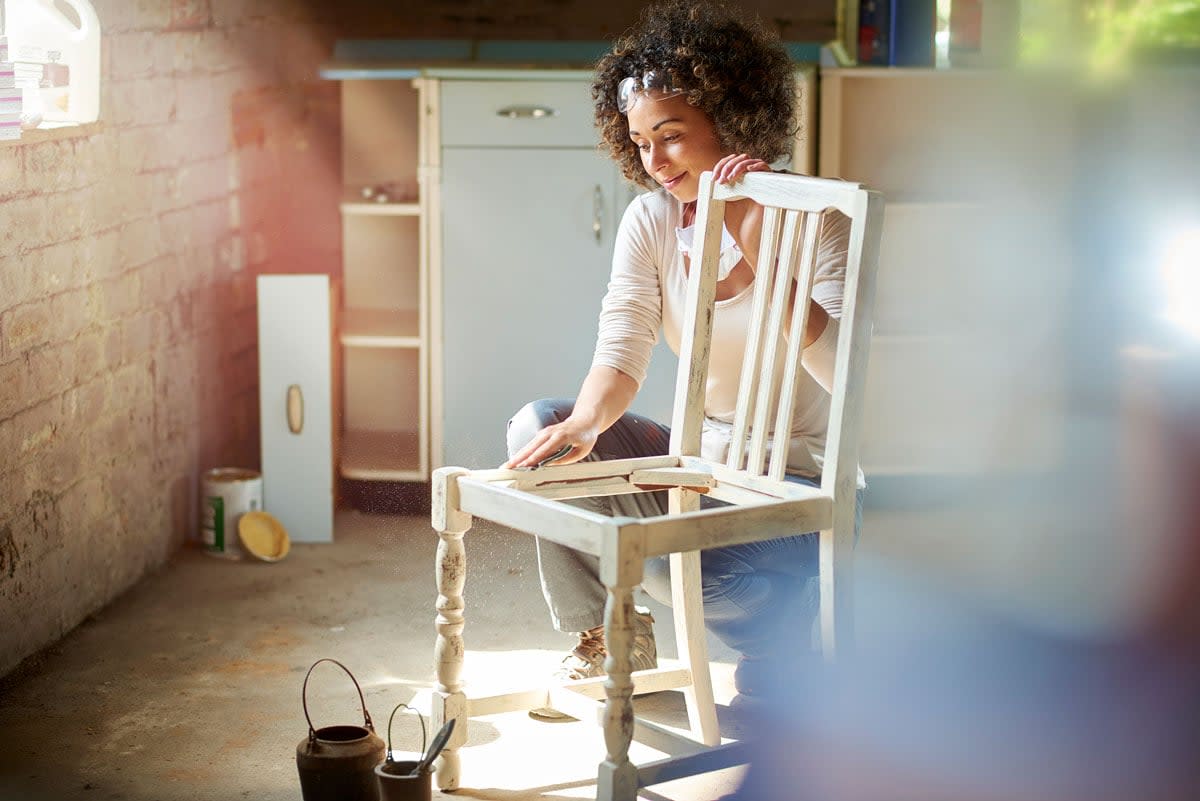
point(312, 733)
point(395, 709)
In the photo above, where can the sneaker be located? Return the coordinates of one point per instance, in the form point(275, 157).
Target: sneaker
point(586, 660)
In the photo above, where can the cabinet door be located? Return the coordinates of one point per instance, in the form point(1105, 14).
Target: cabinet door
point(523, 276)
point(294, 366)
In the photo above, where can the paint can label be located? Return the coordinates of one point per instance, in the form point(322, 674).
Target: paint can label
point(227, 494)
point(214, 524)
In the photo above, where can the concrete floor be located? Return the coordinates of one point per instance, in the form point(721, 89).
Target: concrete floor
point(188, 687)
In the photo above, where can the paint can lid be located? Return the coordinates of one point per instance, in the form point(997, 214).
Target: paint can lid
point(263, 536)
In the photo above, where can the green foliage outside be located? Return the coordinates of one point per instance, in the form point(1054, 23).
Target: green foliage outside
point(1105, 34)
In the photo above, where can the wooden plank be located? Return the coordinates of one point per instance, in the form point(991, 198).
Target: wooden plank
point(747, 385)
point(792, 192)
point(696, 338)
point(732, 525)
point(558, 474)
point(792, 359)
point(602, 487)
point(768, 375)
point(428, 200)
point(294, 350)
point(552, 520)
point(687, 610)
point(516, 701)
point(706, 761)
point(373, 208)
point(668, 676)
point(433, 298)
point(840, 477)
point(666, 477)
point(657, 737)
point(782, 490)
point(740, 496)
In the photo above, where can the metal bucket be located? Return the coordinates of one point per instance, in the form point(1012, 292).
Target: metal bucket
point(395, 783)
point(337, 763)
point(226, 493)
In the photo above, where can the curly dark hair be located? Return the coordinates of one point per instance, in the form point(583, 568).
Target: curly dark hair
point(733, 69)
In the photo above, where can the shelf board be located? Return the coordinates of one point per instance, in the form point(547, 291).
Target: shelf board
point(381, 456)
point(381, 328)
point(374, 209)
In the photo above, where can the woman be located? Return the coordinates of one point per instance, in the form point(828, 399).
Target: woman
point(691, 88)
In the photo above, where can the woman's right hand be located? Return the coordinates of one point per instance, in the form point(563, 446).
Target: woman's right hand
point(580, 436)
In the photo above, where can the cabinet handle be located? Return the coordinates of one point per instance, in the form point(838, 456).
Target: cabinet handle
point(295, 409)
point(597, 211)
point(527, 112)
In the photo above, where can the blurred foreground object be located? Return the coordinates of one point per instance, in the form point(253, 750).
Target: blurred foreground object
point(1035, 635)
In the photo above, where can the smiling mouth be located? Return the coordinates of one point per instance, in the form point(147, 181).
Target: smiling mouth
point(672, 182)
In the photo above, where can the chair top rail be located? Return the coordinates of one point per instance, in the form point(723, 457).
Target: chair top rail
point(793, 192)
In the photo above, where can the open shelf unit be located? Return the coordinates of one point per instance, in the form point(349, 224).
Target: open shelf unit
point(371, 208)
point(383, 328)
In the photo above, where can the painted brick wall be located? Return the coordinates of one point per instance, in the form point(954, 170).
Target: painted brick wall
point(128, 256)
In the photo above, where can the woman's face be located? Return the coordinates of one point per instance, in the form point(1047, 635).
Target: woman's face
point(677, 141)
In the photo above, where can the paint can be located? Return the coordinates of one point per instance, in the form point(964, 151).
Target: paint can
point(226, 493)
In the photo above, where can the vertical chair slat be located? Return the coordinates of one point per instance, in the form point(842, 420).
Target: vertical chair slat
point(768, 377)
point(768, 251)
point(696, 339)
point(791, 364)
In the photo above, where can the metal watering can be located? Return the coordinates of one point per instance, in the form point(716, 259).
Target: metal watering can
point(403, 780)
point(337, 763)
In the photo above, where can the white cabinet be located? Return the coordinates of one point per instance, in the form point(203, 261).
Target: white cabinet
point(296, 403)
point(529, 209)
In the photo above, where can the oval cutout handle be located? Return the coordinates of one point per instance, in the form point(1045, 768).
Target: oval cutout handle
point(295, 409)
point(526, 112)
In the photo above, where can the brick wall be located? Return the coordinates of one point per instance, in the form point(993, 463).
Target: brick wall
point(128, 256)
point(128, 253)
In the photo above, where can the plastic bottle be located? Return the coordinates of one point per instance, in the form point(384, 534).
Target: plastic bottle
point(64, 48)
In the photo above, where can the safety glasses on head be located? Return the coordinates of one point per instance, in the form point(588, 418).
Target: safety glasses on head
point(631, 89)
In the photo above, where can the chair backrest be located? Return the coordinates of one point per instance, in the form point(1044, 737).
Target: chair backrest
point(793, 208)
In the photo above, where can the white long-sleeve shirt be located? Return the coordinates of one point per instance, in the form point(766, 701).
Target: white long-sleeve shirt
point(648, 290)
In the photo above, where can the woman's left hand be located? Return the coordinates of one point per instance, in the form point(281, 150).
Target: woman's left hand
point(734, 166)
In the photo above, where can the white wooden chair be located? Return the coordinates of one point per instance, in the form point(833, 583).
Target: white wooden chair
point(765, 505)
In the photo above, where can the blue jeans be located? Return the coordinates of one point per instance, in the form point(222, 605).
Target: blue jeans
point(753, 593)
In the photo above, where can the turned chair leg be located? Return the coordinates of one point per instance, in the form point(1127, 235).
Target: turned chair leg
point(449, 700)
point(617, 780)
